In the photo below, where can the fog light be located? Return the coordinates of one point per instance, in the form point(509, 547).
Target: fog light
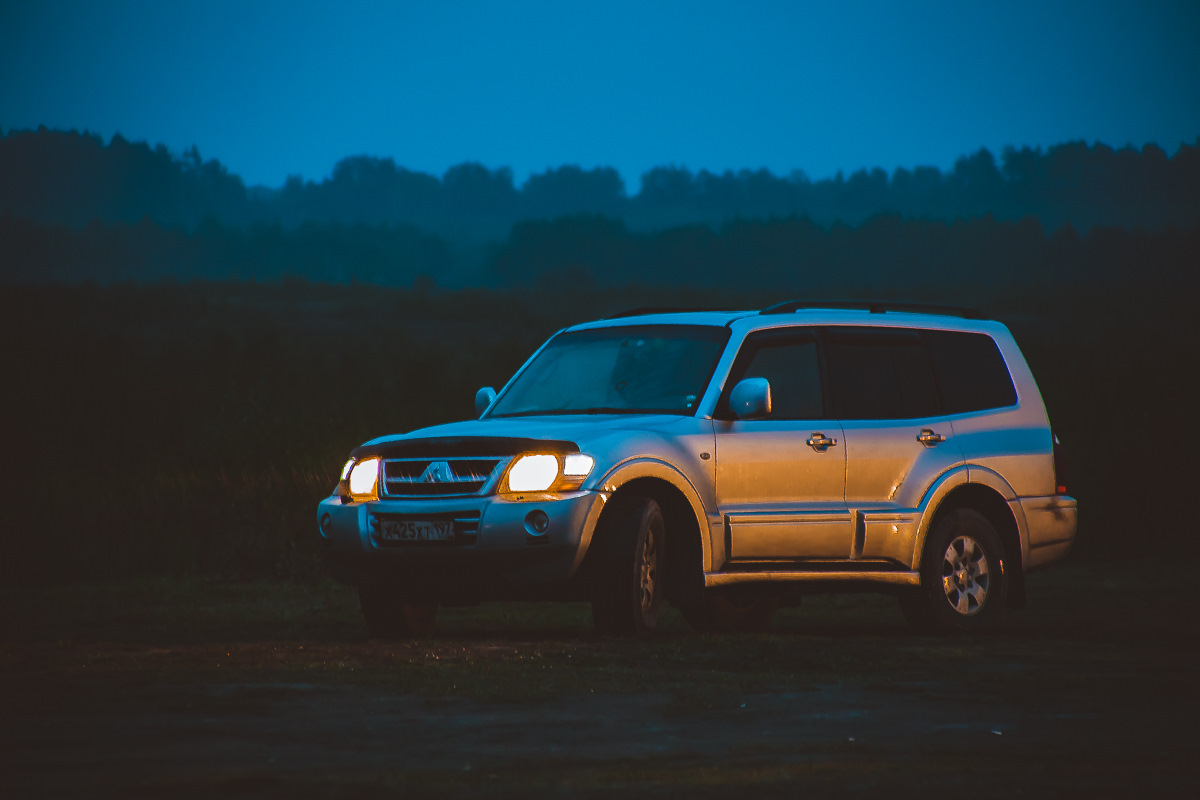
point(537, 522)
point(326, 523)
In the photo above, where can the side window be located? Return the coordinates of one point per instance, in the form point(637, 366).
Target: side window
point(971, 371)
point(792, 366)
point(918, 387)
point(881, 374)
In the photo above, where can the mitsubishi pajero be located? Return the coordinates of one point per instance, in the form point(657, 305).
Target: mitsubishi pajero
point(725, 462)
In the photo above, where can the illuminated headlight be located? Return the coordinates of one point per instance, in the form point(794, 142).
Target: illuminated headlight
point(346, 469)
point(548, 473)
point(533, 474)
point(363, 477)
point(577, 465)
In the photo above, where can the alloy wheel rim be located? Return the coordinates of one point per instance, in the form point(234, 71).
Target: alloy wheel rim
point(965, 576)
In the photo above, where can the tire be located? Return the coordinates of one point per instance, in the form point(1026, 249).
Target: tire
point(963, 582)
point(737, 609)
point(390, 616)
point(627, 586)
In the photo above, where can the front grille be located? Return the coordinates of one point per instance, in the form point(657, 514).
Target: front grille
point(432, 477)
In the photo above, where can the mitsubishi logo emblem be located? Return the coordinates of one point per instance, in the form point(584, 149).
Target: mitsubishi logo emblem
point(437, 472)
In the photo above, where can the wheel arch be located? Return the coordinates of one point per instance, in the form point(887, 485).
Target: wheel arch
point(987, 499)
point(688, 551)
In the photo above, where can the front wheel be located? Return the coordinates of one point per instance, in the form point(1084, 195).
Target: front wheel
point(627, 586)
point(963, 585)
point(390, 616)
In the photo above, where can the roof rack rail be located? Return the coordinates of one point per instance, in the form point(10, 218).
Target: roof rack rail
point(874, 307)
point(638, 312)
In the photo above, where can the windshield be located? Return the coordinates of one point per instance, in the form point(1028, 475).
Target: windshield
point(646, 369)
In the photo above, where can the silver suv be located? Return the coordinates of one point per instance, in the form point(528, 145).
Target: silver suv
point(726, 462)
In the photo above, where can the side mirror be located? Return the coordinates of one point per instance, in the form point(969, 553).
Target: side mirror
point(484, 399)
point(751, 399)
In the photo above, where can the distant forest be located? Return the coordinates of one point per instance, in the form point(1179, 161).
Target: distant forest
point(74, 208)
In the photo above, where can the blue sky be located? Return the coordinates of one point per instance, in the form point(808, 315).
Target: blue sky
point(278, 88)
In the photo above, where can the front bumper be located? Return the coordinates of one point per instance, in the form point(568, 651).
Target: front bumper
point(495, 554)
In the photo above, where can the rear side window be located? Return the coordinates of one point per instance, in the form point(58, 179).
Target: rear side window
point(881, 374)
point(971, 372)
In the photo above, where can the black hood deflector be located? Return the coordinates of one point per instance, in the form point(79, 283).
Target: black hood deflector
point(462, 446)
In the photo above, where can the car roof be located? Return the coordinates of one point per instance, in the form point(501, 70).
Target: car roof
point(871, 315)
point(718, 319)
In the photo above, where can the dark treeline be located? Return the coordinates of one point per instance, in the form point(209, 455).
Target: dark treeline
point(71, 179)
point(969, 258)
point(146, 251)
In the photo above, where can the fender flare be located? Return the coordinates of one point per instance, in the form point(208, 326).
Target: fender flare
point(646, 467)
point(962, 475)
point(993, 480)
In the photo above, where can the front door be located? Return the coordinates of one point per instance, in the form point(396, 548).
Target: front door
point(780, 480)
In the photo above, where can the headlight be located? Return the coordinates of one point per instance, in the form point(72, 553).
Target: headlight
point(363, 477)
point(541, 472)
point(577, 465)
point(532, 473)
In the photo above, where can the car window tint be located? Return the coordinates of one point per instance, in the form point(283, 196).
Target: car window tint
point(971, 371)
point(863, 380)
point(918, 387)
point(794, 372)
point(881, 373)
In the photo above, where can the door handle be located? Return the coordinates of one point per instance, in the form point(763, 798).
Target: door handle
point(820, 442)
point(930, 439)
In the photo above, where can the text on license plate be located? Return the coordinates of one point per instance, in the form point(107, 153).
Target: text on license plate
point(417, 530)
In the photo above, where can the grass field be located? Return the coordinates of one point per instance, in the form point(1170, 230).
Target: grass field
point(167, 630)
point(272, 688)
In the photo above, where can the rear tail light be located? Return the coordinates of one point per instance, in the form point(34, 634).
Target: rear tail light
point(1060, 468)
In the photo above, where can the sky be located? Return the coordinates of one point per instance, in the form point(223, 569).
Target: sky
point(273, 89)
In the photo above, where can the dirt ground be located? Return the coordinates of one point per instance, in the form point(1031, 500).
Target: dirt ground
point(275, 691)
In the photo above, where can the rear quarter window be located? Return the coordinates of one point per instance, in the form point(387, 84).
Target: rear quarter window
point(971, 372)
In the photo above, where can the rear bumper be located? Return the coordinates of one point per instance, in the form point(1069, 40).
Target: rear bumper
point(501, 557)
point(1050, 524)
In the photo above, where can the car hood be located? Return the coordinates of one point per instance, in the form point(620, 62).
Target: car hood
point(511, 435)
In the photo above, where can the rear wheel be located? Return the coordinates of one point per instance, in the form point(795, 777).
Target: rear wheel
point(736, 609)
point(627, 588)
point(390, 616)
point(963, 585)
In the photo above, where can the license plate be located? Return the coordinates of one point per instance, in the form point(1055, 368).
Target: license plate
point(393, 530)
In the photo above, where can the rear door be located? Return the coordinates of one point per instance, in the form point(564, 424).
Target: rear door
point(780, 481)
point(898, 440)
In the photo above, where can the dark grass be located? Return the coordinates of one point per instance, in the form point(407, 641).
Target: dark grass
point(199, 627)
point(1089, 691)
